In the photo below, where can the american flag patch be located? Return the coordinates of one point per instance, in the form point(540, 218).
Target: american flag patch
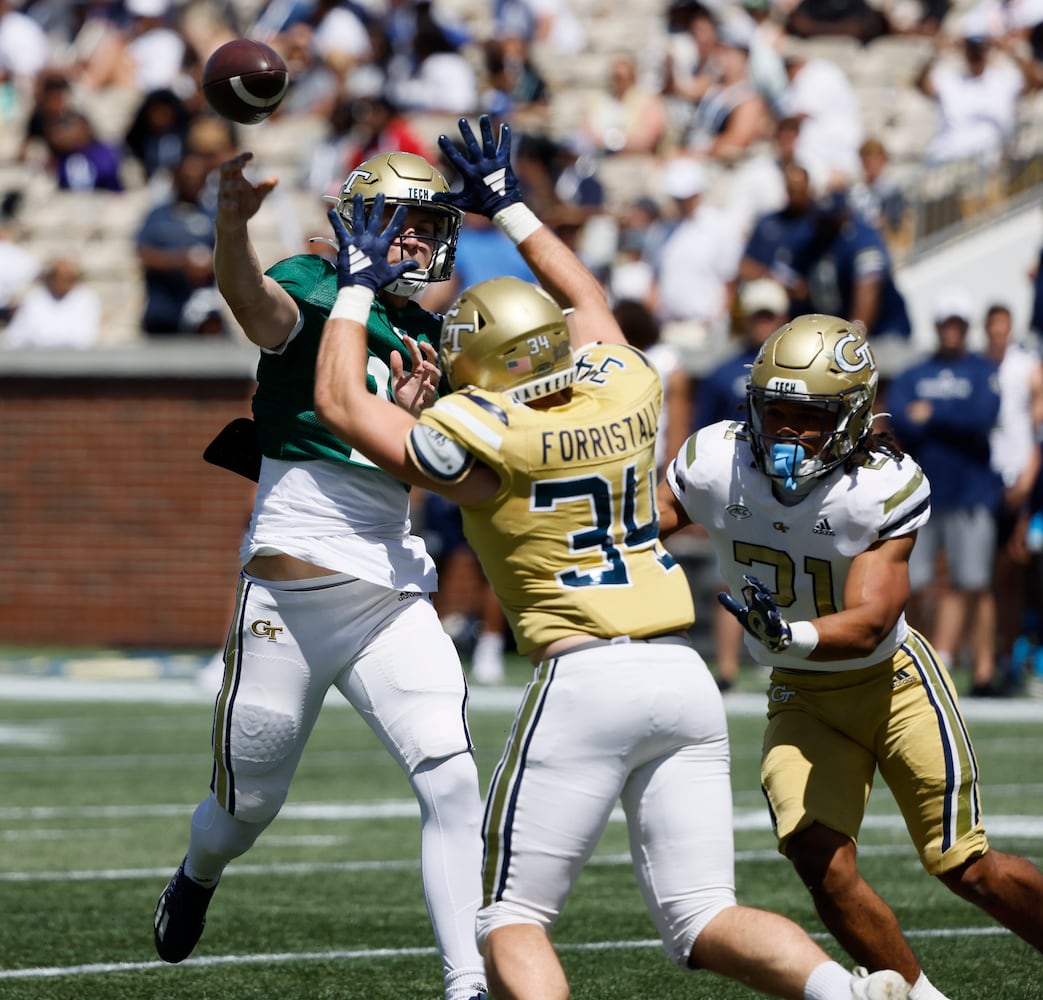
point(519, 364)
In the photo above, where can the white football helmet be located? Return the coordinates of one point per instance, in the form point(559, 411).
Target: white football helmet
point(406, 179)
point(822, 361)
point(507, 335)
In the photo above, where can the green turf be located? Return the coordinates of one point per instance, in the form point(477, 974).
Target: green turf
point(94, 816)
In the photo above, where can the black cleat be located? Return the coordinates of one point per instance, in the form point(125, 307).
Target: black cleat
point(180, 916)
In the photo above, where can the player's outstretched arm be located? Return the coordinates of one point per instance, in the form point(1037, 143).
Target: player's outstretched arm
point(377, 427)
point(262, 307)
point(490, 188)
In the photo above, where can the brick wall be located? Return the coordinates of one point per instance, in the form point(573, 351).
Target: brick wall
point(113, 530)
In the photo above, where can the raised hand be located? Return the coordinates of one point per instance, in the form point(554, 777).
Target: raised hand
point(238, 200)
point(759, 615)
point(416, 389)
point(362, 254)
point(489, 181)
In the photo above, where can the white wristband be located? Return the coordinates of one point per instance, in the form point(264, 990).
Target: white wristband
point(353, 302)
point(517, 221)
point(803, 640)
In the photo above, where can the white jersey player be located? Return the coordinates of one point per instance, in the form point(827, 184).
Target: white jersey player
point(813, 518)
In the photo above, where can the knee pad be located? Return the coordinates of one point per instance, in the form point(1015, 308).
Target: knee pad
point(264, 757)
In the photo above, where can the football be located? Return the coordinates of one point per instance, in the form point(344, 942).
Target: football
point(245, 81)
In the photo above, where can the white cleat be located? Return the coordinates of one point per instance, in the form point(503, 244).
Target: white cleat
point(883, 985)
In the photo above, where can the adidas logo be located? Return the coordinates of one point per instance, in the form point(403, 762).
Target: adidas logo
point(822, 527)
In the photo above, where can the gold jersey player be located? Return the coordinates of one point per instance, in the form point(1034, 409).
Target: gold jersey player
point(813, 518)
point(548, 445)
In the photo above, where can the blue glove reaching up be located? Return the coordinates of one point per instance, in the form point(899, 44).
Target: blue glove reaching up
point(489, 181)
point(362, 253)
point(759, 615)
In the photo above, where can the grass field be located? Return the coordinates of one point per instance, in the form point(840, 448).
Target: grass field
point(100, 778)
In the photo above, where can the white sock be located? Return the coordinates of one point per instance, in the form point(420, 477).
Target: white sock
point(465, 984)
point(217, 838)
point(924, 989)
point(827, 982)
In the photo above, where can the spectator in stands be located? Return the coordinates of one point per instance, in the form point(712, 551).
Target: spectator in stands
point(943, 410)
point(82, 162)
point(341, 37)
point(58, 311)
point(767, 69)
point(977, 101)
point(482, 252)
point(876, 196)
point(358, 129)
point(849, 273)
point(642, 231)
point(856, 19)
point(642, 329)
point(699, 261)
point(18, 267)
point(625, 116)
point(1016, 457)
point(548, 23)
point(515, 84)
point(52, 102)
point(731, 116)
point(763, 308)
point(148, 53)
point(157, 135)
point(576, 183)
point(314, 88)
point(757, 183)
point(24, 47)
point(443, 80)
point(1036, 319)
point(778, 246)
point(820, 94)
point(175, 246)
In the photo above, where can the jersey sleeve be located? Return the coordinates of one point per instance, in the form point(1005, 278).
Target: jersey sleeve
point(904, 494)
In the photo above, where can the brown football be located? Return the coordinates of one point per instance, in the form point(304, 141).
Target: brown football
point(245, 81)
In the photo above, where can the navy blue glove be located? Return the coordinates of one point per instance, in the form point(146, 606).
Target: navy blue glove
point(489, 181)
point(362, 254)
point(759, 615)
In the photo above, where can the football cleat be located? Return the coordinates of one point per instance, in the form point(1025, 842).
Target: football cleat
point(180, 916)
point(883, 985)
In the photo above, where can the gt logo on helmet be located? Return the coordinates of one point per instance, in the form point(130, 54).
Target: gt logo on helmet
point(863, 356)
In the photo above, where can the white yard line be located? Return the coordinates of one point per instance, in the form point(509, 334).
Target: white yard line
point(368, 954)
point(18, 687)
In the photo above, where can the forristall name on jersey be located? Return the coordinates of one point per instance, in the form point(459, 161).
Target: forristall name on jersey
point(584, 444)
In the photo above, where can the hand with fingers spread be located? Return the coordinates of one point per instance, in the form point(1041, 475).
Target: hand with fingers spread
point(489, 181)
point(362, 255)
point(416, 389)
point(238, 199)
point(759, 615)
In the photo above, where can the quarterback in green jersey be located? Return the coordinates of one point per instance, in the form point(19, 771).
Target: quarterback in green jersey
point(335, 588)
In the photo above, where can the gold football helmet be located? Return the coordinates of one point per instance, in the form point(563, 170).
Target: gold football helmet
point(407, 179)
point(817, 360)
point(507, 335)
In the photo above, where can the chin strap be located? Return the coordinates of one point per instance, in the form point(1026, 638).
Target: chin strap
point(786, 459)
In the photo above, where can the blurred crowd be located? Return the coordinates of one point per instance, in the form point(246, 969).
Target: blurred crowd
point(717, 170)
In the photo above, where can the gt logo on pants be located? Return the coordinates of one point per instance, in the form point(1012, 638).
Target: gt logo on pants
point(781, 693)
point(264, 629)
